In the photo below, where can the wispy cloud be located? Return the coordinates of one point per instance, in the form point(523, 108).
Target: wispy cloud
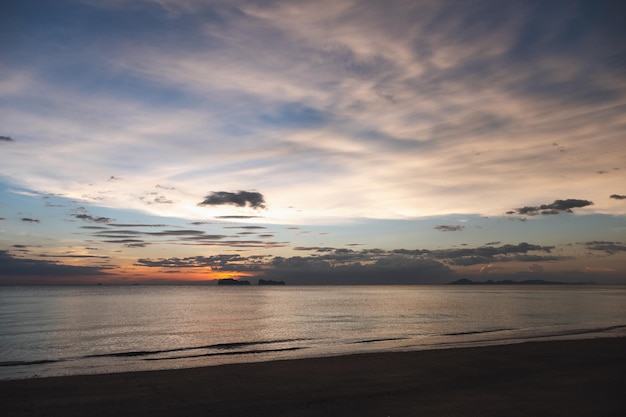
point(412, 109)
point(449, 228)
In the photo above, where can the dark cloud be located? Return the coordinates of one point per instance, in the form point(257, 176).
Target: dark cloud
point(315, 248)
point(199, 223)
point(618, 197)
point(88, 218)
point(225, 262)
point(117, 233)
point(447, 228)
point(239, 199)
point(176, 233)
point(124, 233)
point(245, 227)
point(73, 256)
point(6, 139)
point(491, 254)
point(204, 237)
point(162, 200)
point(29, 220)
point(608, 247)
point(327, 265)
point(236, 243)
point(135, 225)
point(125, 241)
point(136, 245)
point(238, 217)
point(389, 270)
point(557, 207)
point(13, 269)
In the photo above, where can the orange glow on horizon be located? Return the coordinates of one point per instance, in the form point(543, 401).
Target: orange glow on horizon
point(134, 273)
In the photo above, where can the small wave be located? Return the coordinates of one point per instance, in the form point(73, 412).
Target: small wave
point(26, 363)
point(238, 352)
point(476, 332)
point(574, 332)
point(389, 339)
point(218, 346)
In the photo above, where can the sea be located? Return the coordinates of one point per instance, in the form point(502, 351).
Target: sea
point(69, 330)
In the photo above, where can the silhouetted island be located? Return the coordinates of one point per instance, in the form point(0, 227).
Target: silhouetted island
point(466, 281)
point(230, 281)
point(270, 282)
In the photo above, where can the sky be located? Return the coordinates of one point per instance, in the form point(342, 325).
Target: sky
point(315, 142)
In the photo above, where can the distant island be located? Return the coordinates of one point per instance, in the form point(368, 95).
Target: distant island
point(230, 281)
point(270, 282)
point(466, 281)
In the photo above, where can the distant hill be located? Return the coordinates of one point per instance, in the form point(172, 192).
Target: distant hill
point(466, 281)
point(230, 281)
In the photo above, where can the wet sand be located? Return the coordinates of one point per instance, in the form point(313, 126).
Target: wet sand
point(562, 378)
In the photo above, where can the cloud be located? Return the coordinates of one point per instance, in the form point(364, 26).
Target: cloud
point(176, 233)
point(136, 225)
point(223, 262)
point(6, 139)
point(535, 268)
point(491, 254)
point(447, 228)
point(557, 207)
point(341, 94)
point(13, 269)
point(89, 218)
point(240, 199)
point(29, 220)
point(341, 266)
point(329, 265)
point(389, 270)
point(130, 236)
point(609, 248)
point(618, 197)
point(125, 241)
point(589, 269)
point(237, 217)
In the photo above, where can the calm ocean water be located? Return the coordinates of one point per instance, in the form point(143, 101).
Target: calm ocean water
point(47, 331)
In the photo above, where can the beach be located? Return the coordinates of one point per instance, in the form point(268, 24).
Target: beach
point(550, 378)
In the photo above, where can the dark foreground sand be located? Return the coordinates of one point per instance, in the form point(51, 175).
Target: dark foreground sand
point(566, 378)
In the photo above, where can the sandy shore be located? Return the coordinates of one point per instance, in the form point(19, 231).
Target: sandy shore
point(564, 378)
